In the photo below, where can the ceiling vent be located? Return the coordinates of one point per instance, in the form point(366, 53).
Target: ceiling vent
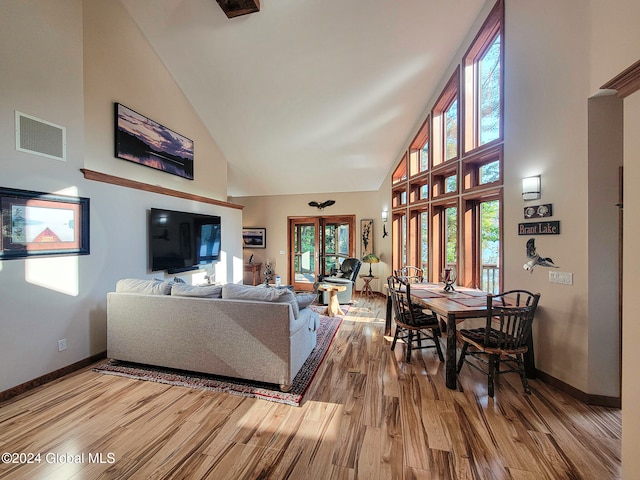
point(40, 137)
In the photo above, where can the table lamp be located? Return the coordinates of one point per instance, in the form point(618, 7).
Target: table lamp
point(371, 258)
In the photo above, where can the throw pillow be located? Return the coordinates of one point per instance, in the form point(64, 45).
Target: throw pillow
point(305, 299)
point(146, 287)
point(207, 291)
point(233, 291)
point(178, 280)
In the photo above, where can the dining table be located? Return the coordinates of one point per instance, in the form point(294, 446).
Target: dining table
point(460, 304)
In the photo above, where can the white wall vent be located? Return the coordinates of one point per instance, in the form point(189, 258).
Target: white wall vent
point(40, 137)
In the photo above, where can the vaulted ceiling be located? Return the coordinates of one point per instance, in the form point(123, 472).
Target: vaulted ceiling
point(308, 96)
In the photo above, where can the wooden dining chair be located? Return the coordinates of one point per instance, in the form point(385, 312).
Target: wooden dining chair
point(410, 274)
point(502, 342)
point(412, 324)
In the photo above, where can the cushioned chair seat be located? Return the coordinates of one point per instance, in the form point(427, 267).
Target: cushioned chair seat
point(478, 336)
point(345, 275)
point(344, 296)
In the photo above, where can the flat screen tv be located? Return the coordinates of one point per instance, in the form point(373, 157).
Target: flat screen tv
point(181, 241)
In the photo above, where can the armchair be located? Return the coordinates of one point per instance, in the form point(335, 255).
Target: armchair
point(345, 275)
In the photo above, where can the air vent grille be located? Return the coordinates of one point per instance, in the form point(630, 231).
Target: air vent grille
point(40, 137)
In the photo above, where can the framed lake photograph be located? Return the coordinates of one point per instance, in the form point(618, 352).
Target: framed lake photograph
point(37, 223)
point(143, 141)
point(254, 237)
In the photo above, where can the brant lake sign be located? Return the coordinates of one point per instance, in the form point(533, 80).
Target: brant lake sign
point(539, 228)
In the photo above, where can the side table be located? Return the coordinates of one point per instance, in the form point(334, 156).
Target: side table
point(366, 289)
point(333, 306)
point(254, 270)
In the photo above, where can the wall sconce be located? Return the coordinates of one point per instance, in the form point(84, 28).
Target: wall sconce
point(531, 188)
point(385, 217)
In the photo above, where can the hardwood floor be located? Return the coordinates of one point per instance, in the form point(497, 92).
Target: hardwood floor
point(367, 415)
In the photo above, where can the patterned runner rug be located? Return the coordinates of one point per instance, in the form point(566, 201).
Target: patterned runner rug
point(265, 391)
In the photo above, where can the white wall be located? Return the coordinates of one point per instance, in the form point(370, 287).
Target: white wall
point(57, 69)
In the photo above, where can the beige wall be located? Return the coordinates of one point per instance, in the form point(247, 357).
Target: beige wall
point(271, 212)
point(557, 55)
point(120, 66)
point(631, 278)
point(614, 47)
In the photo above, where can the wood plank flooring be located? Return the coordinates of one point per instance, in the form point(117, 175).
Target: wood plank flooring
point(367, 415)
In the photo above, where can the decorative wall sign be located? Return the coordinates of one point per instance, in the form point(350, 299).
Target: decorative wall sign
point(254, 237)
point(366, 237)
point(538, 211)
point(141, 140)
point(539, 228)
point(37, 223)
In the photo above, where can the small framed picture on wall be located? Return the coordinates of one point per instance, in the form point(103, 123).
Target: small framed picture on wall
point(254, 237)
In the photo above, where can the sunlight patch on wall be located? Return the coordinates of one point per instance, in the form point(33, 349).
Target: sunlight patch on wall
point(238, 270)
point(59, 274)
point(71, 191)
point(219, 269)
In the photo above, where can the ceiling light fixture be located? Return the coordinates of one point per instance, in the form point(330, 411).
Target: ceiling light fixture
point(235, 8)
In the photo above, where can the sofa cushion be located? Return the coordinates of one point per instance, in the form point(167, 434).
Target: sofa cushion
point(147, 287)
point(233, 291)
point(305, 299)
point(185, 290)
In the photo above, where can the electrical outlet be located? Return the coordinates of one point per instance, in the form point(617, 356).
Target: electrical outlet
point(62, 344)
point(563, 278)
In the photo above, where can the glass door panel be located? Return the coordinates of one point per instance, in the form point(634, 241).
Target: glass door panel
point(336, 246)
point(305, 253)
point(318, 246)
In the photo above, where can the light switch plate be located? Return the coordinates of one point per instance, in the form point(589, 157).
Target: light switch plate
point(563, 278)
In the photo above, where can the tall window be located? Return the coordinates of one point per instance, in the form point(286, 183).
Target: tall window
point(489, 92)
point(483, 83)
point(419, 150)
point(451, 236)
point(451, 131)
point(446, 125)
point(448, 209)
point(490, 246)
point(399, 239)
point(424, 240)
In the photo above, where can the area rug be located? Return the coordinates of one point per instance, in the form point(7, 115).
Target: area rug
point(326, 331)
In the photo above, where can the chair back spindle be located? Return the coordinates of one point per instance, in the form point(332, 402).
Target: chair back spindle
point(412, 324)
point(410, 274)
point(505, 337)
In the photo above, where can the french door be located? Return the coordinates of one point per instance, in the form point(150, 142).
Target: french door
point(317, 245)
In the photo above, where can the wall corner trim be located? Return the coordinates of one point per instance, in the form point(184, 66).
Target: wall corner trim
point(626, 82)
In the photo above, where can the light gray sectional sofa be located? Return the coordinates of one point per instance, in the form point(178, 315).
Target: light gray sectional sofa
point(253, 333)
